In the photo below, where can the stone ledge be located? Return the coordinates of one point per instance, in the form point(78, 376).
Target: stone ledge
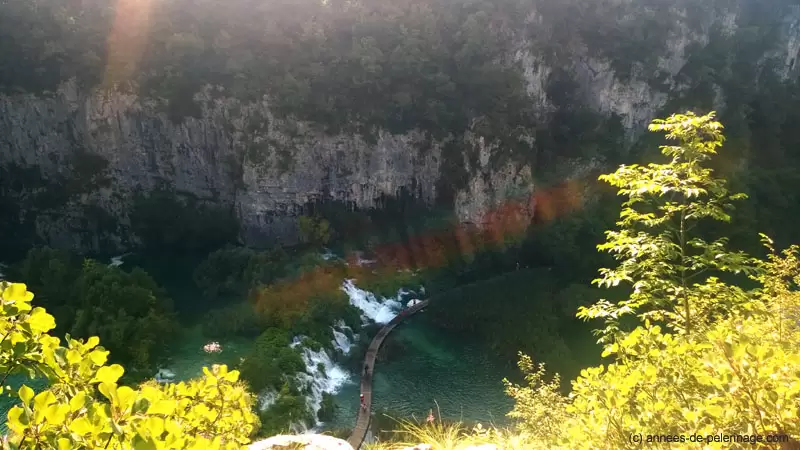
point(302, 441)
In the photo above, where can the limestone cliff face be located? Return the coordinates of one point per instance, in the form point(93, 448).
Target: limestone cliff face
point(235, 155)
point(632, 97)
point(265, 167)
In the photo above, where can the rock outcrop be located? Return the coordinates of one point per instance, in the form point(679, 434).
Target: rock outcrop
point(303, 441)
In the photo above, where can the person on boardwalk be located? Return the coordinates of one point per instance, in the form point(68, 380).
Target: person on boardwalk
point(363, 405)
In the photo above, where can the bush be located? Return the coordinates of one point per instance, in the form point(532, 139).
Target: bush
point(289, 408)
point(128, 310)
point(233, 271)
point(232, 320)
point(328, 408)
point(696, 354)
point(271, 361)
point(84, 406)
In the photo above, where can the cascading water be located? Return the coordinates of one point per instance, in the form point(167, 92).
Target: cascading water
point(329, 255)
point(341, 341)
point(322, 376)
point(266, 399)
point(372, 308)
point(117, 261)
point(2, 268)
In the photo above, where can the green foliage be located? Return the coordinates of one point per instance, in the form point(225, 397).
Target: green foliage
point(321, 312)
point(233, 320)
point(540, 406)
point(271, 361)
point(730, 362)
point(85, 407)
point(125, 309)
point(166, 223)
point(128, 310)
point(289, 408)
point(660, 249)
point(233, 271)
point(328, 408)
point(314, 230)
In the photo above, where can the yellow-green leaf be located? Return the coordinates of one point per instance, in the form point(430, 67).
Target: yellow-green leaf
point(77, 402)
point(165, 407)
point(81, 426)
point(109, 374)
point(26, 394)
point(40, 321)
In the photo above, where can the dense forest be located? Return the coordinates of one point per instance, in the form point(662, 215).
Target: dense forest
point(444, 68)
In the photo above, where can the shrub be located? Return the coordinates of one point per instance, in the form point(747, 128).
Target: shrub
point(84, 406)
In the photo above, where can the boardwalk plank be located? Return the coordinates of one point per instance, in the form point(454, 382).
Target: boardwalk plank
point(365, 414)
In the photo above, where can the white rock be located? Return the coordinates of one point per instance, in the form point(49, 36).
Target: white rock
point(311, 442)
point(420, 447)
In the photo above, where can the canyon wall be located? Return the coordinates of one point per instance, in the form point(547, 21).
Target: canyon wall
point(263, 167)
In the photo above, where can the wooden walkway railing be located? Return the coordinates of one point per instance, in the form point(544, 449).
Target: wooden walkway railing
point(365, 414)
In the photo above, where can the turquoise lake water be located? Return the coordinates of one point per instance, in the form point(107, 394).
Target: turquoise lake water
point(424, 366)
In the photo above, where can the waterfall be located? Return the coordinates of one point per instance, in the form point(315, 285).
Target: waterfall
point(116, 261)
point(372, 308)
point(322, 376)
point(341, 337)
point(266, 399)
point(2, 268)
point(328, 255)
point(340, 341)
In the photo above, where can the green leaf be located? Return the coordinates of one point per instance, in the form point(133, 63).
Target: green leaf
point(44, 399)
point(18, 420)
point(165, 407)
point(81, 426)
point(109, 374)
point(77, 402)
point(98, 357)
point(55, 414)
point(109, 390)
point(26, 394)
point(40, 321)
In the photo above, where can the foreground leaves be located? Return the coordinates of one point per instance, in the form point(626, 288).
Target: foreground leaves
point(85, 407)
point(697, 356)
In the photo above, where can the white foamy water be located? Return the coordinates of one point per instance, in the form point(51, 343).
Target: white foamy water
point(117, 261)
point(323, 376)
point(340, 341)
point(165, 376)
point(413, 302)
point(328, 255)
point(266, 399)
point(341, 337)
point(378, 311)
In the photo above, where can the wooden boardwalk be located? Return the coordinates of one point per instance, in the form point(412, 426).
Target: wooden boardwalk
point(365, 414)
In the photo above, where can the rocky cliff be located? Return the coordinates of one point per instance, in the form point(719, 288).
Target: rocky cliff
point(264, 167)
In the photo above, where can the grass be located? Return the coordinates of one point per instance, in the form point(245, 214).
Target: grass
point(442, 435)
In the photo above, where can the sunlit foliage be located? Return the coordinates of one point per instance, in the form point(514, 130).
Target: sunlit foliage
point(725, 360)
point(84, 406)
